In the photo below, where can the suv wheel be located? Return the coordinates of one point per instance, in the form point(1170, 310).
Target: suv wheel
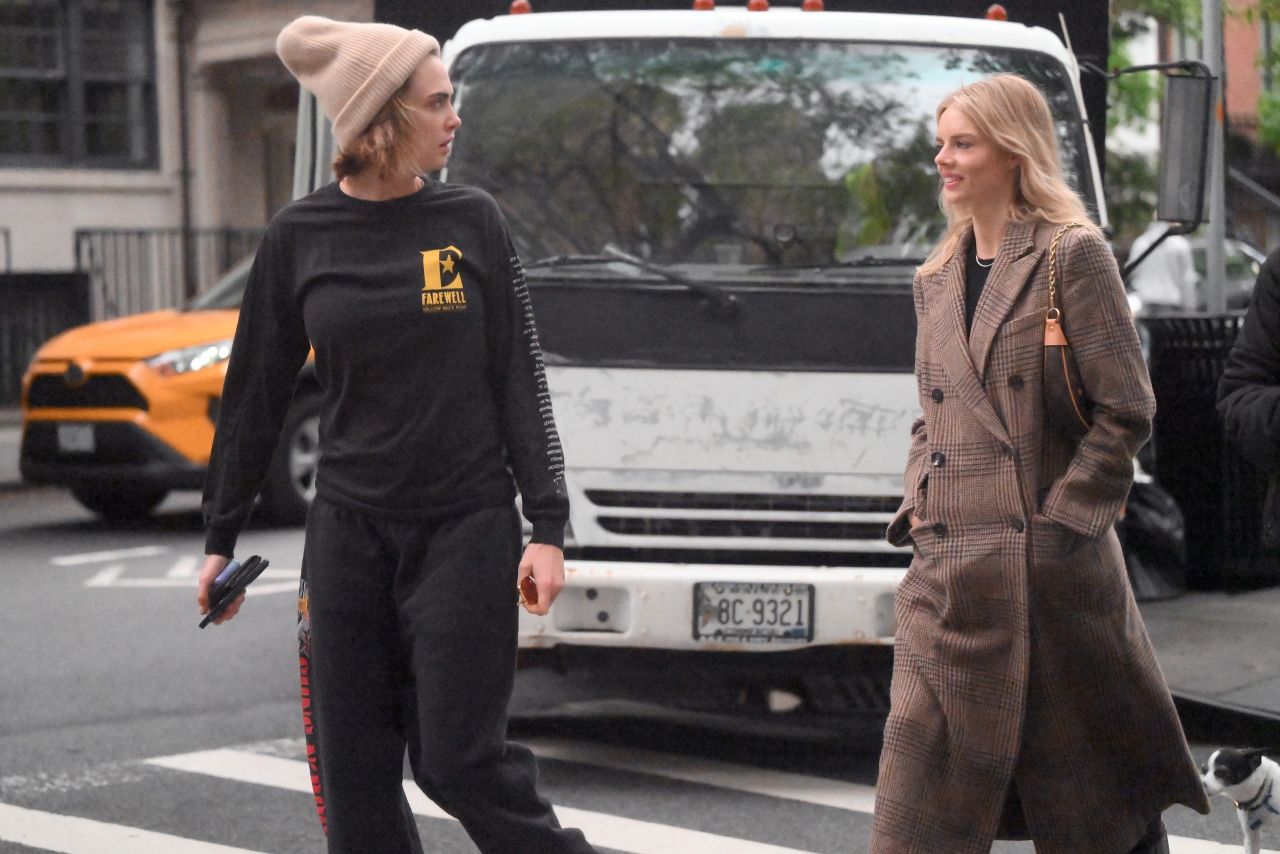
point(120, 502)
point(291, 479)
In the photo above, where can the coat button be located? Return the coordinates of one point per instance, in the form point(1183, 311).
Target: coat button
point(939, 529)
point(1008, 451)
point(937, 395)
point(1019, 525)
point(1015, 382)
point(937, 458)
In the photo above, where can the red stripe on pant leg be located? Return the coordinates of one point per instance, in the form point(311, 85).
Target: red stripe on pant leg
point(308, 729)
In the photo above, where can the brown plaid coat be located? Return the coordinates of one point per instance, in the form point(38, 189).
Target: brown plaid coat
point(1021, 659)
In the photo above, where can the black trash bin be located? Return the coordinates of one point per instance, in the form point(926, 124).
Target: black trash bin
point(1220, 493)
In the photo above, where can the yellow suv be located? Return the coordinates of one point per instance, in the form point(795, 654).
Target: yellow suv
point(122, 412)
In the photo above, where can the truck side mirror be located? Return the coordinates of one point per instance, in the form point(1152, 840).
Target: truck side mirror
point(1184, 149)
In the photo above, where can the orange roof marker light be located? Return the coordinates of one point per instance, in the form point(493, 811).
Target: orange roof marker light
point(704, 5)
point(520, 7)
point(813, 6)
point(757, 5)
point(996, 12)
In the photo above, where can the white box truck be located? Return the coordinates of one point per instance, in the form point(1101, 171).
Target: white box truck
point(719, 213)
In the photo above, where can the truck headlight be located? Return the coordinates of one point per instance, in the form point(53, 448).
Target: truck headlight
point(187, 359)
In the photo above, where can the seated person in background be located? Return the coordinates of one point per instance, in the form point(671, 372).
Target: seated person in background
point(1166, 279)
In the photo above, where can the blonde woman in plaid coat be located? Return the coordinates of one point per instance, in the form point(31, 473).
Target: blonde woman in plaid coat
point(1026, 699)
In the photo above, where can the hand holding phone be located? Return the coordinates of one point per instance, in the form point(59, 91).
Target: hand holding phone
point(230, 583)
point(215, 589)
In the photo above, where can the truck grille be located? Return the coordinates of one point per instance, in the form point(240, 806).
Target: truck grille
point(733, 515)
point(643, 526)
point(100, 391)
point(744, 501)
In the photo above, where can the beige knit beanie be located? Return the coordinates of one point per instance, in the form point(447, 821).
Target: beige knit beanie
point(352, 69)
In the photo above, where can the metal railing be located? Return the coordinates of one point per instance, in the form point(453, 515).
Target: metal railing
point(6, 251)
point(136, 270)
point(37, 306)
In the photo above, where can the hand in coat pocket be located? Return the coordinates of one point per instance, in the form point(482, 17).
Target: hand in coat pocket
point(1052, 540)
point(923, 536)
point(1072, 575)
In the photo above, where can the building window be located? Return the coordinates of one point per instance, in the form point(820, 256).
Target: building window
point(77, 84)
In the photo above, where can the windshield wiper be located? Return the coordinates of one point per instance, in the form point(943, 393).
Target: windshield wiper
point(724, 303)
point(568, 261)
point(864, 261)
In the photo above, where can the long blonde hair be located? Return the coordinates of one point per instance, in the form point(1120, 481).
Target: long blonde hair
point(1012, 113)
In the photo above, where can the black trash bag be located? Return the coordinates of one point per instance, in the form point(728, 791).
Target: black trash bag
point(1154, 538)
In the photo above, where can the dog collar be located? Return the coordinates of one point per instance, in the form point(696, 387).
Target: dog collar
point(1260, 797)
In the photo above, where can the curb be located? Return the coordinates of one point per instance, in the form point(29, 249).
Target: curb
point(1226, 724)
point(10, 428)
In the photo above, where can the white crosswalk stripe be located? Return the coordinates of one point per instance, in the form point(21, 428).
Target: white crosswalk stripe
point(761, 781)
point(1186, 845)
point(72, 835)
point(724, 775)
point(609, 831)
point(184, 567)
point(105, 557)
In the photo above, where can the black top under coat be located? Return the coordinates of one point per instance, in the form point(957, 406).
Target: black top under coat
point(975, 279)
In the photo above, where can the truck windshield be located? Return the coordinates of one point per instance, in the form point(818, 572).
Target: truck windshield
point(738, 153)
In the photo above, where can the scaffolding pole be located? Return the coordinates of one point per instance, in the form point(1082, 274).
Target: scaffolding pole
point(1216, 231)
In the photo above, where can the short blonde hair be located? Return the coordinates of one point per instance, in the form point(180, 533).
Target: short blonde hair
point(383, 146)
point(1013, 114)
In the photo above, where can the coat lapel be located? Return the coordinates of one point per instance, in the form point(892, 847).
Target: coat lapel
point(1015, 262)
point(952, 340)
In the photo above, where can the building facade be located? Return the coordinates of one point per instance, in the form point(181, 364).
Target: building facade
point(143, 115)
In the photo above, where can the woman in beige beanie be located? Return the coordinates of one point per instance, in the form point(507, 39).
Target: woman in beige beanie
point(432, 397)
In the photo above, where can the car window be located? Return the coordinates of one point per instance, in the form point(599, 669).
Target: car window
point(227, 292)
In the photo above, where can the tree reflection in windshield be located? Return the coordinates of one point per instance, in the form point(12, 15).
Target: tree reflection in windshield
point(733, 152)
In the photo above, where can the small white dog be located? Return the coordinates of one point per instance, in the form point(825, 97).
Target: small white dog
point(1252, 782)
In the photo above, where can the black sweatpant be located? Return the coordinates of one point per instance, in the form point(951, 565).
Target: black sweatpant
point(407, 639)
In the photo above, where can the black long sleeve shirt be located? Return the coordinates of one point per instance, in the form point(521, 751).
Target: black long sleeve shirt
point(1249, 390)
point(426, 353)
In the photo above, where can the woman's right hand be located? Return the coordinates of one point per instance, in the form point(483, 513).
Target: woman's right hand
point(214, 564)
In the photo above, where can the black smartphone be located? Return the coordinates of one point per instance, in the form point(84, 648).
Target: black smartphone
point(223, 595)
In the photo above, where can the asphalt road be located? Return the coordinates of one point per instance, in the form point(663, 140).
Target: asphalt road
point(125, 729)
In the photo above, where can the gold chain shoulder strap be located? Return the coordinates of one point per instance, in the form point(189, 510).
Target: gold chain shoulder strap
point(1053, 267)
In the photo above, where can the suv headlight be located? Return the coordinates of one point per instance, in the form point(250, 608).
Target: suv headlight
point(187, 359)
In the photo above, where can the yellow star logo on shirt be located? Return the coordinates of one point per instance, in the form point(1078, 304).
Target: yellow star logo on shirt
point(439, 269)
point(442, 280)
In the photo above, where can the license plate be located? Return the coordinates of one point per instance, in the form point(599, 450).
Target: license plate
point(751, 611)
point(75, 438)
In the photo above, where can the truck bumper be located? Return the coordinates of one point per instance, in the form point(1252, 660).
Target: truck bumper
point(617, 604)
